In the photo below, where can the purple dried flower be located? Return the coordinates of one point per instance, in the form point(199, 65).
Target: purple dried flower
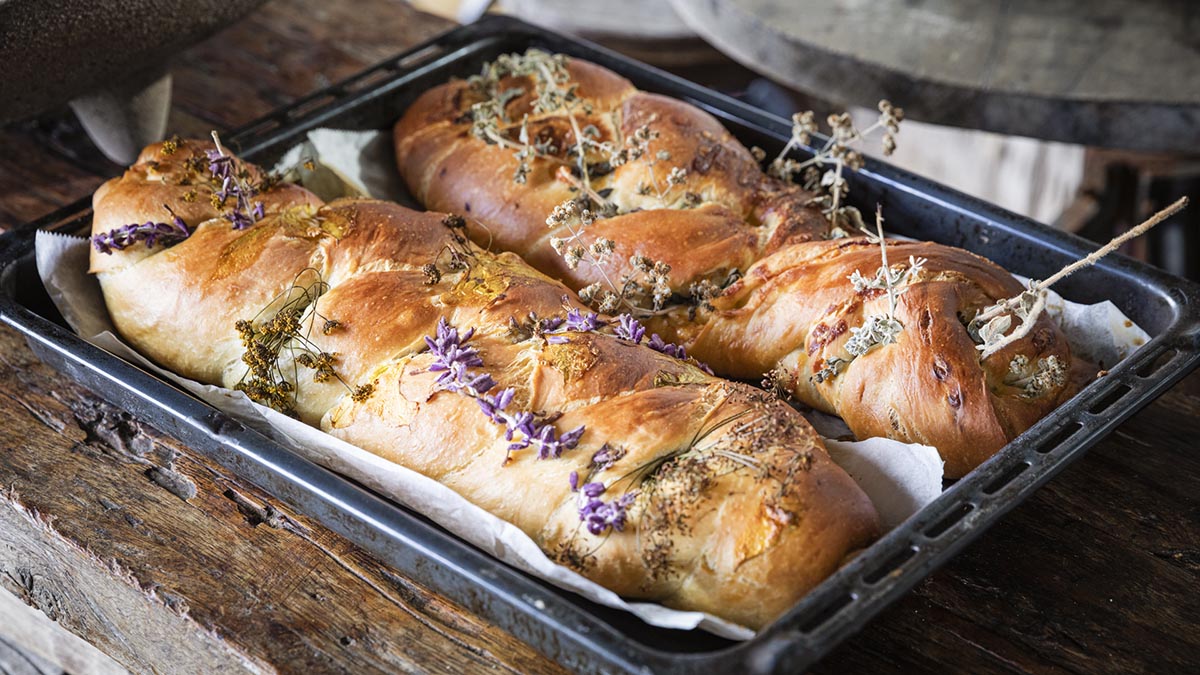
point(606, 456)
point(550, 444)
point(593, 490)
point(454, 360)
point(571, 438)
point(447, 335)
point(629, 328)
point(493, 405)
point(657, 344)
point(583, 323)
point(238, 219)
point(481, 384)
point(599, 515)
point(575, 321)
point(227, 190)
point(150, 233)
point(220, 165)
point(573, 479)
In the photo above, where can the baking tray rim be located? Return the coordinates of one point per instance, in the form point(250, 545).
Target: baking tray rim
point(776, 645)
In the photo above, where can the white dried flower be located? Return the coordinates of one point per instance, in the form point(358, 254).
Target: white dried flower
point(573, 256)
point(877, 330)
point(609, 302)
point(589, 293)
point(833, 365)
point(1046, 376)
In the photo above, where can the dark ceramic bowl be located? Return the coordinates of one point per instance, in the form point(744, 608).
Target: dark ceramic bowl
point(107, 57)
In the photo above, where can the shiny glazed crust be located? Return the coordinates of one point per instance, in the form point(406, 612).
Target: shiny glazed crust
point(738, 509)
point(793, 308)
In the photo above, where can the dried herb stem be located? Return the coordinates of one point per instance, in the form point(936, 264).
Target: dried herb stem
point(583, 187)
point(513, 145)
point(1030, 303)
point(891, 289)
point(824, 153)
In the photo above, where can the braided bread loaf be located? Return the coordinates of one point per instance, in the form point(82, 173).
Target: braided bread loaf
point(791, 312)
point(697, 493)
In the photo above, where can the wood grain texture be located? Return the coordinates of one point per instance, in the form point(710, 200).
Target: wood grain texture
point(167, 562)
point(1096, 573)
point(32, 642)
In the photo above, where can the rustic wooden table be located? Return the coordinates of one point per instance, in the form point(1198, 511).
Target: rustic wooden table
point(166, 562)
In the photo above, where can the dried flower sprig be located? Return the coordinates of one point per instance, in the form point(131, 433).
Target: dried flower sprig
point(234, 181)
point(596, 514)
point(576, 321)
point(531, 326)
point(553, 93)
point(454, 359)
point(575, 214)
point(630, 329)
point(676, 176)
point(599, 516)
point(587, 156)
point(460, 254)
point(626, 327)
point(149, 233)
point(670, 485)
point(990, 325)
point(1045, 376)
point(837, 151)
point(287, 330)
point(606, 456)
point(650, 282)
point(877, 329)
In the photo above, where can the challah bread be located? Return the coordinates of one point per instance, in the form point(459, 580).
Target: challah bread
point(697, 200)
point(658, 480)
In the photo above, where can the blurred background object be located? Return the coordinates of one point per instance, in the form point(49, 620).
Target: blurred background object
point(1109, 73)
point(107, 58)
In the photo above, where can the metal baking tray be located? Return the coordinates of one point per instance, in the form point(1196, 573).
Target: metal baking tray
point(577, 633)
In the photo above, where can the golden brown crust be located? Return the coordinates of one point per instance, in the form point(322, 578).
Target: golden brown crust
point(174, 174)
point(793, 309)
point(735, 507)
point(706, 532)
point(179, 305)
point(716, 242)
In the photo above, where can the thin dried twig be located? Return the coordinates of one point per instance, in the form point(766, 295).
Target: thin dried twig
point(1034, 298)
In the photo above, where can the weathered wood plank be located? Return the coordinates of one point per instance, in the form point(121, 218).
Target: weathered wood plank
point(30, 642)
point(165, 561)
point(34, 182)
point(297, 47)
